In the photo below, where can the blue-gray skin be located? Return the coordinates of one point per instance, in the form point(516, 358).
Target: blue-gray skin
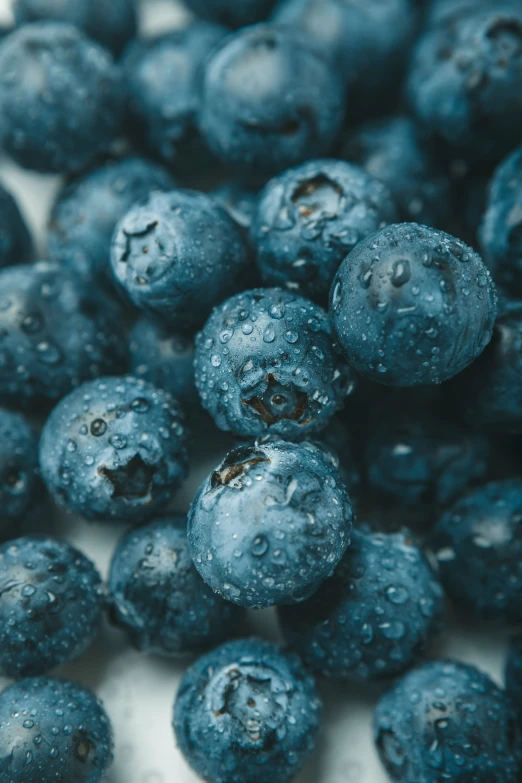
point(477, 546)
point(239, 201)
point(269, 99)
point(421, 459)
point(50, 607)
point(446, 11)
point(465, 83)
point(164, 359)
point(309, 217)
point(412, 305)
point(394, 151)
point(176, 255)
point(60, 97)
point(270, 523)
point(161, 85)
point(56, 331)
point(112, 24)
point(513, 674)
point(375, 617)
point(266, 363)
point(87, 209)
point(447, 720)
point(53, 730)
point(231, 12)
point(489, 393)
point(247, 712)
point(158, 598)
point(367, 40)
point(114, 449)
point(16, 244)
point(19, 482)
point(500, 233)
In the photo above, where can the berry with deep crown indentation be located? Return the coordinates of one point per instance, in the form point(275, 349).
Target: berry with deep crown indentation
point(114, 449)
point(247, 711)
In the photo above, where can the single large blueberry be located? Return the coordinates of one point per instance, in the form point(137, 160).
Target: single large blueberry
point(412, 305)
point(266, 362)
point(270, 523)
point(247, 711)
point(368, 42)
point(53, 730)
point(176, 255)
point(501, 228)
point(477, 546)
point(394, 151)
point(16, 244)
point(158, 598)
point(60, 97)
point(19, 481)
point(374, 617)
point(308, 218)
point(50, 605)
point(114, 449)
point(447, 721)
point(164, 359)
point(161, 83)
point(87, 209)
point(269, 99)
point(56, 331)
point(113, 24)
point(420, 458)
point(465, 82)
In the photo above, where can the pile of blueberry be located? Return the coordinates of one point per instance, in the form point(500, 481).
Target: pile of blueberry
point(298, 222)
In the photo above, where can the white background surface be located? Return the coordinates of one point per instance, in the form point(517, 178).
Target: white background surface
point(139, 691)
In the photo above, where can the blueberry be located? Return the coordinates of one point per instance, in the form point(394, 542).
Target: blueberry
point(490, 391)
point(269, 99)
point(114, 449)
point(230, 12)
point(16, 244)
point(412, 305)
point(374, 617)
point(176, 255)
point(422, 459)
point(239, 200)
point(247, 711)
point(310, 217)
point(164, 359)
point(19, 482)
point(158, 597)
point(270, 523)
point(60, 97)
point(163, 118)
point(477, 546)
point(465, 82)
point(87, 209)
point(447, 721)
point(56, 331)
point(513, 674)
point(501, 228)
point(368, 41)
point(53, 730)
point(394, 151)
point(266, 362)
point(50, 607)
point(112, 24)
